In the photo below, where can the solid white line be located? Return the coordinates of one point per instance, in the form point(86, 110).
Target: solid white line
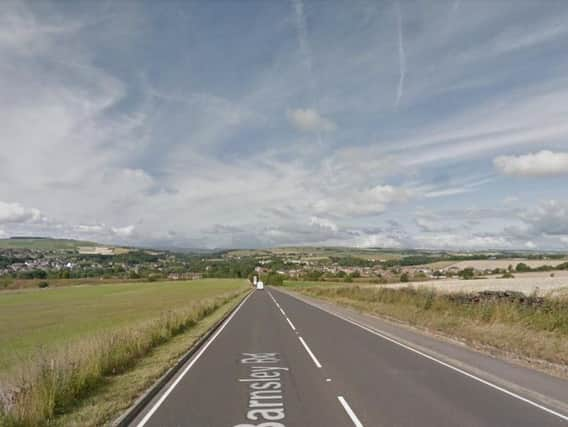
point(350, 412)
point(188, 367)
point(291, 324)
point(314, 358)
point(447, 365)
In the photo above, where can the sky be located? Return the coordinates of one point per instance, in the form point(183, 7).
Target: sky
point(225, 124)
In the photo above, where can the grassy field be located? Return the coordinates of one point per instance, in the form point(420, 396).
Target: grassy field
point(49, 244)
point(47, 318)
point(532, 328)
point(63, 349)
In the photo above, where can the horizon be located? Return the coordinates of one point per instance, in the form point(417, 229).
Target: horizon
point(232, 125)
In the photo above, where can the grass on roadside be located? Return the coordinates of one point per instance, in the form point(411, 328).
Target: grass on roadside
point(50, 386)
point(532, 327)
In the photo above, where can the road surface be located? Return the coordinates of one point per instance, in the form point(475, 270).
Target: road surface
point(278, 361)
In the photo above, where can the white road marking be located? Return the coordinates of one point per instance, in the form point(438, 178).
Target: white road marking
point(350, 412)
point(188, 367)
point(447, 365)
point(283, 312)
point(314, 358)
point(290, 323)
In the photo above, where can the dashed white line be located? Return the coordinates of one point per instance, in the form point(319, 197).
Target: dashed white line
point(350, 412)
point(433, 359)
point(188, 367)
point(290, 323)
point(312, 355)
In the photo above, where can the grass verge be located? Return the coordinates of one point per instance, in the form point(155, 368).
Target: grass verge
point(53, 389)
point(525, 327)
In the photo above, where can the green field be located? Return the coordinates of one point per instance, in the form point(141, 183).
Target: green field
point(45, 244)
point(48, 318)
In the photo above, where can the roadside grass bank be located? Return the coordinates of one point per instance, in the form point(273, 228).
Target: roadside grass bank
point(524, 327)
point(47, 319)
point(78, 385)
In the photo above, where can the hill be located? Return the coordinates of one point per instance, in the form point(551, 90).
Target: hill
point(44, 243)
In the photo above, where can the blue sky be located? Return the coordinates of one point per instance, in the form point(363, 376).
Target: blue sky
point(261, 123)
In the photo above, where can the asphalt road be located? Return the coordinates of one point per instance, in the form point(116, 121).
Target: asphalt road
point(278, 361)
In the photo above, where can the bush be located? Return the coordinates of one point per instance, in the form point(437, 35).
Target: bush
point(43, 284)
point(404, 277)
point(467, 273)
point(274, 279)
point(522, 268)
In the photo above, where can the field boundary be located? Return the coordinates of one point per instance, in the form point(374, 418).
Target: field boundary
point(136, 408)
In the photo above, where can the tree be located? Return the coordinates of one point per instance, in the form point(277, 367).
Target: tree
point(467, 273)
point(522, 268)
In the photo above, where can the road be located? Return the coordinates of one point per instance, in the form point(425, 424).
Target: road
point(278, 361)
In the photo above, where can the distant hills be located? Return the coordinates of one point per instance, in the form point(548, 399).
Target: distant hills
point(46, 243)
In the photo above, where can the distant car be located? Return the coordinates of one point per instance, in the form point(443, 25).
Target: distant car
point(259, 285)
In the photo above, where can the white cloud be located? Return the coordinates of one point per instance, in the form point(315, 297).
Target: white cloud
point(549, 218)
point(530, 245)
point(353, 202)
point(82, 228)
point(543, 163)
point(126, 231)
point(323, 223)
point(309, 120)
point(16, 213)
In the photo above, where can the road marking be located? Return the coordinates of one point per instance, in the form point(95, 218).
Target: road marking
point(283, 312)
point(350, 412)
point(188, 367)
point(291, 324)
point(314, 358)
point(447, 365)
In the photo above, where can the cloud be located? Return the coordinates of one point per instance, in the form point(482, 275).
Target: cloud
point(550, 218)
point(356, 203)
point(543, 163)
point(16, 213)
point(401, 55)
point(126, 231)
point(309, 120)
point(323, 223)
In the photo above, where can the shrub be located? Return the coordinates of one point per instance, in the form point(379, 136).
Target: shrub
point(404, 277)
point(467, 273)
point(43, 284)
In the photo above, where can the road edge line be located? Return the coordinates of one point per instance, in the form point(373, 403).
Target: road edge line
point(434, 359)
point(207, 338)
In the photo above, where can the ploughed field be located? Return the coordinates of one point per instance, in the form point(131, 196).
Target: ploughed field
point(46, 319)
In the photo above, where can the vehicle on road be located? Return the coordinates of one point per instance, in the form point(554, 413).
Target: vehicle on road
point(259, 285)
